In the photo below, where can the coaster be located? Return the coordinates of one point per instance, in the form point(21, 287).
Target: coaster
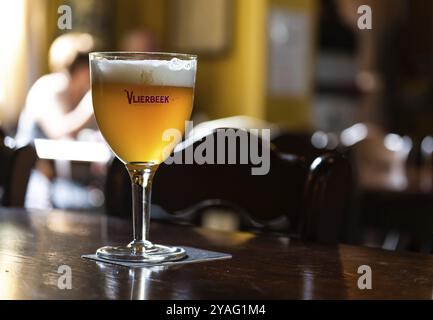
point(194, 255)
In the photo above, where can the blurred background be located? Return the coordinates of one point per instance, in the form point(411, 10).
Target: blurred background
point(301, 67)
point(302, 64)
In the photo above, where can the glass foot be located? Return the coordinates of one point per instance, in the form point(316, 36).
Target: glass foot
point(141, 252)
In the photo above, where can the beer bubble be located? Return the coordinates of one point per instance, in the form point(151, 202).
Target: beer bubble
point(175, 64)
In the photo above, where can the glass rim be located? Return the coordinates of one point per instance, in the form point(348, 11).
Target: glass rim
point(130, 55)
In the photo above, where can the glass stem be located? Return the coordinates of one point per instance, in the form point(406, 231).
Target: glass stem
point(141, 179)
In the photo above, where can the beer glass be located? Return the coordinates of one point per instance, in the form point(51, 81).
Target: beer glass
point(137, 96)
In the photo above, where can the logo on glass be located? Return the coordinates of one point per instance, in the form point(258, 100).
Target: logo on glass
point(144, 99)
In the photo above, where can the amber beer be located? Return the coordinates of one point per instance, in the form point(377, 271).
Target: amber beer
point(136, 101)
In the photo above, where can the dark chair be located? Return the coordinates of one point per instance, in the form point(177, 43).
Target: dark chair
point(2, 138)
point(118, 193)
point(326, 216)
point(15, 168)
point(397, 219)
point(297, 143)
point(288, 196)
point(188, 190)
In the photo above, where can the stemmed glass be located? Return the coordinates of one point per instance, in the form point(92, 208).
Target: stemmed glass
point(137, 97)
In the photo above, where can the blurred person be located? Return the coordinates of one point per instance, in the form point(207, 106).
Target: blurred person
point(58, 106)
point(139, 40)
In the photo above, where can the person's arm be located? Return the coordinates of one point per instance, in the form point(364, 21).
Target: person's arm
point(56, 124)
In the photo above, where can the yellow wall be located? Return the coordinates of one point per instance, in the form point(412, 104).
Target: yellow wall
point(51, 31)
point(234, 83)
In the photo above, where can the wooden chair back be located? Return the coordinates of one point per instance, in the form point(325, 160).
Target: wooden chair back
point(327, 200)
point(187, 190)
point(15, 169)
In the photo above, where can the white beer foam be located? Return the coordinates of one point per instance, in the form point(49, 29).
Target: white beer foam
point(174, 72)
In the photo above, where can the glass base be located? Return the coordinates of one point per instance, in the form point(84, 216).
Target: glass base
point(141, 252)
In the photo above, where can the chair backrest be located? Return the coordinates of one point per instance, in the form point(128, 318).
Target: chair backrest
point(2, 138)
point(327, 199)
point(118, 196)
point(15, 169)
point(188, 189)
point(297, 143)
point(313, 200)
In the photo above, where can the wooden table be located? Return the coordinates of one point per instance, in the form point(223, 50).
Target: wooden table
point(33, 245)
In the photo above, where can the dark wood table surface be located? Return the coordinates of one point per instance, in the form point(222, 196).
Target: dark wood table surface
point(34, 244)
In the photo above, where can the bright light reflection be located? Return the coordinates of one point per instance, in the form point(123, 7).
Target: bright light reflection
point(427, 145)
point(11, 18)
point(394, 142)
point(354, 134)
point(319, 140)
point(72, 150)
point(9, 268)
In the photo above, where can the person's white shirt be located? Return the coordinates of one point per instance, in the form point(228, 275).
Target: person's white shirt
point(46, 113)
